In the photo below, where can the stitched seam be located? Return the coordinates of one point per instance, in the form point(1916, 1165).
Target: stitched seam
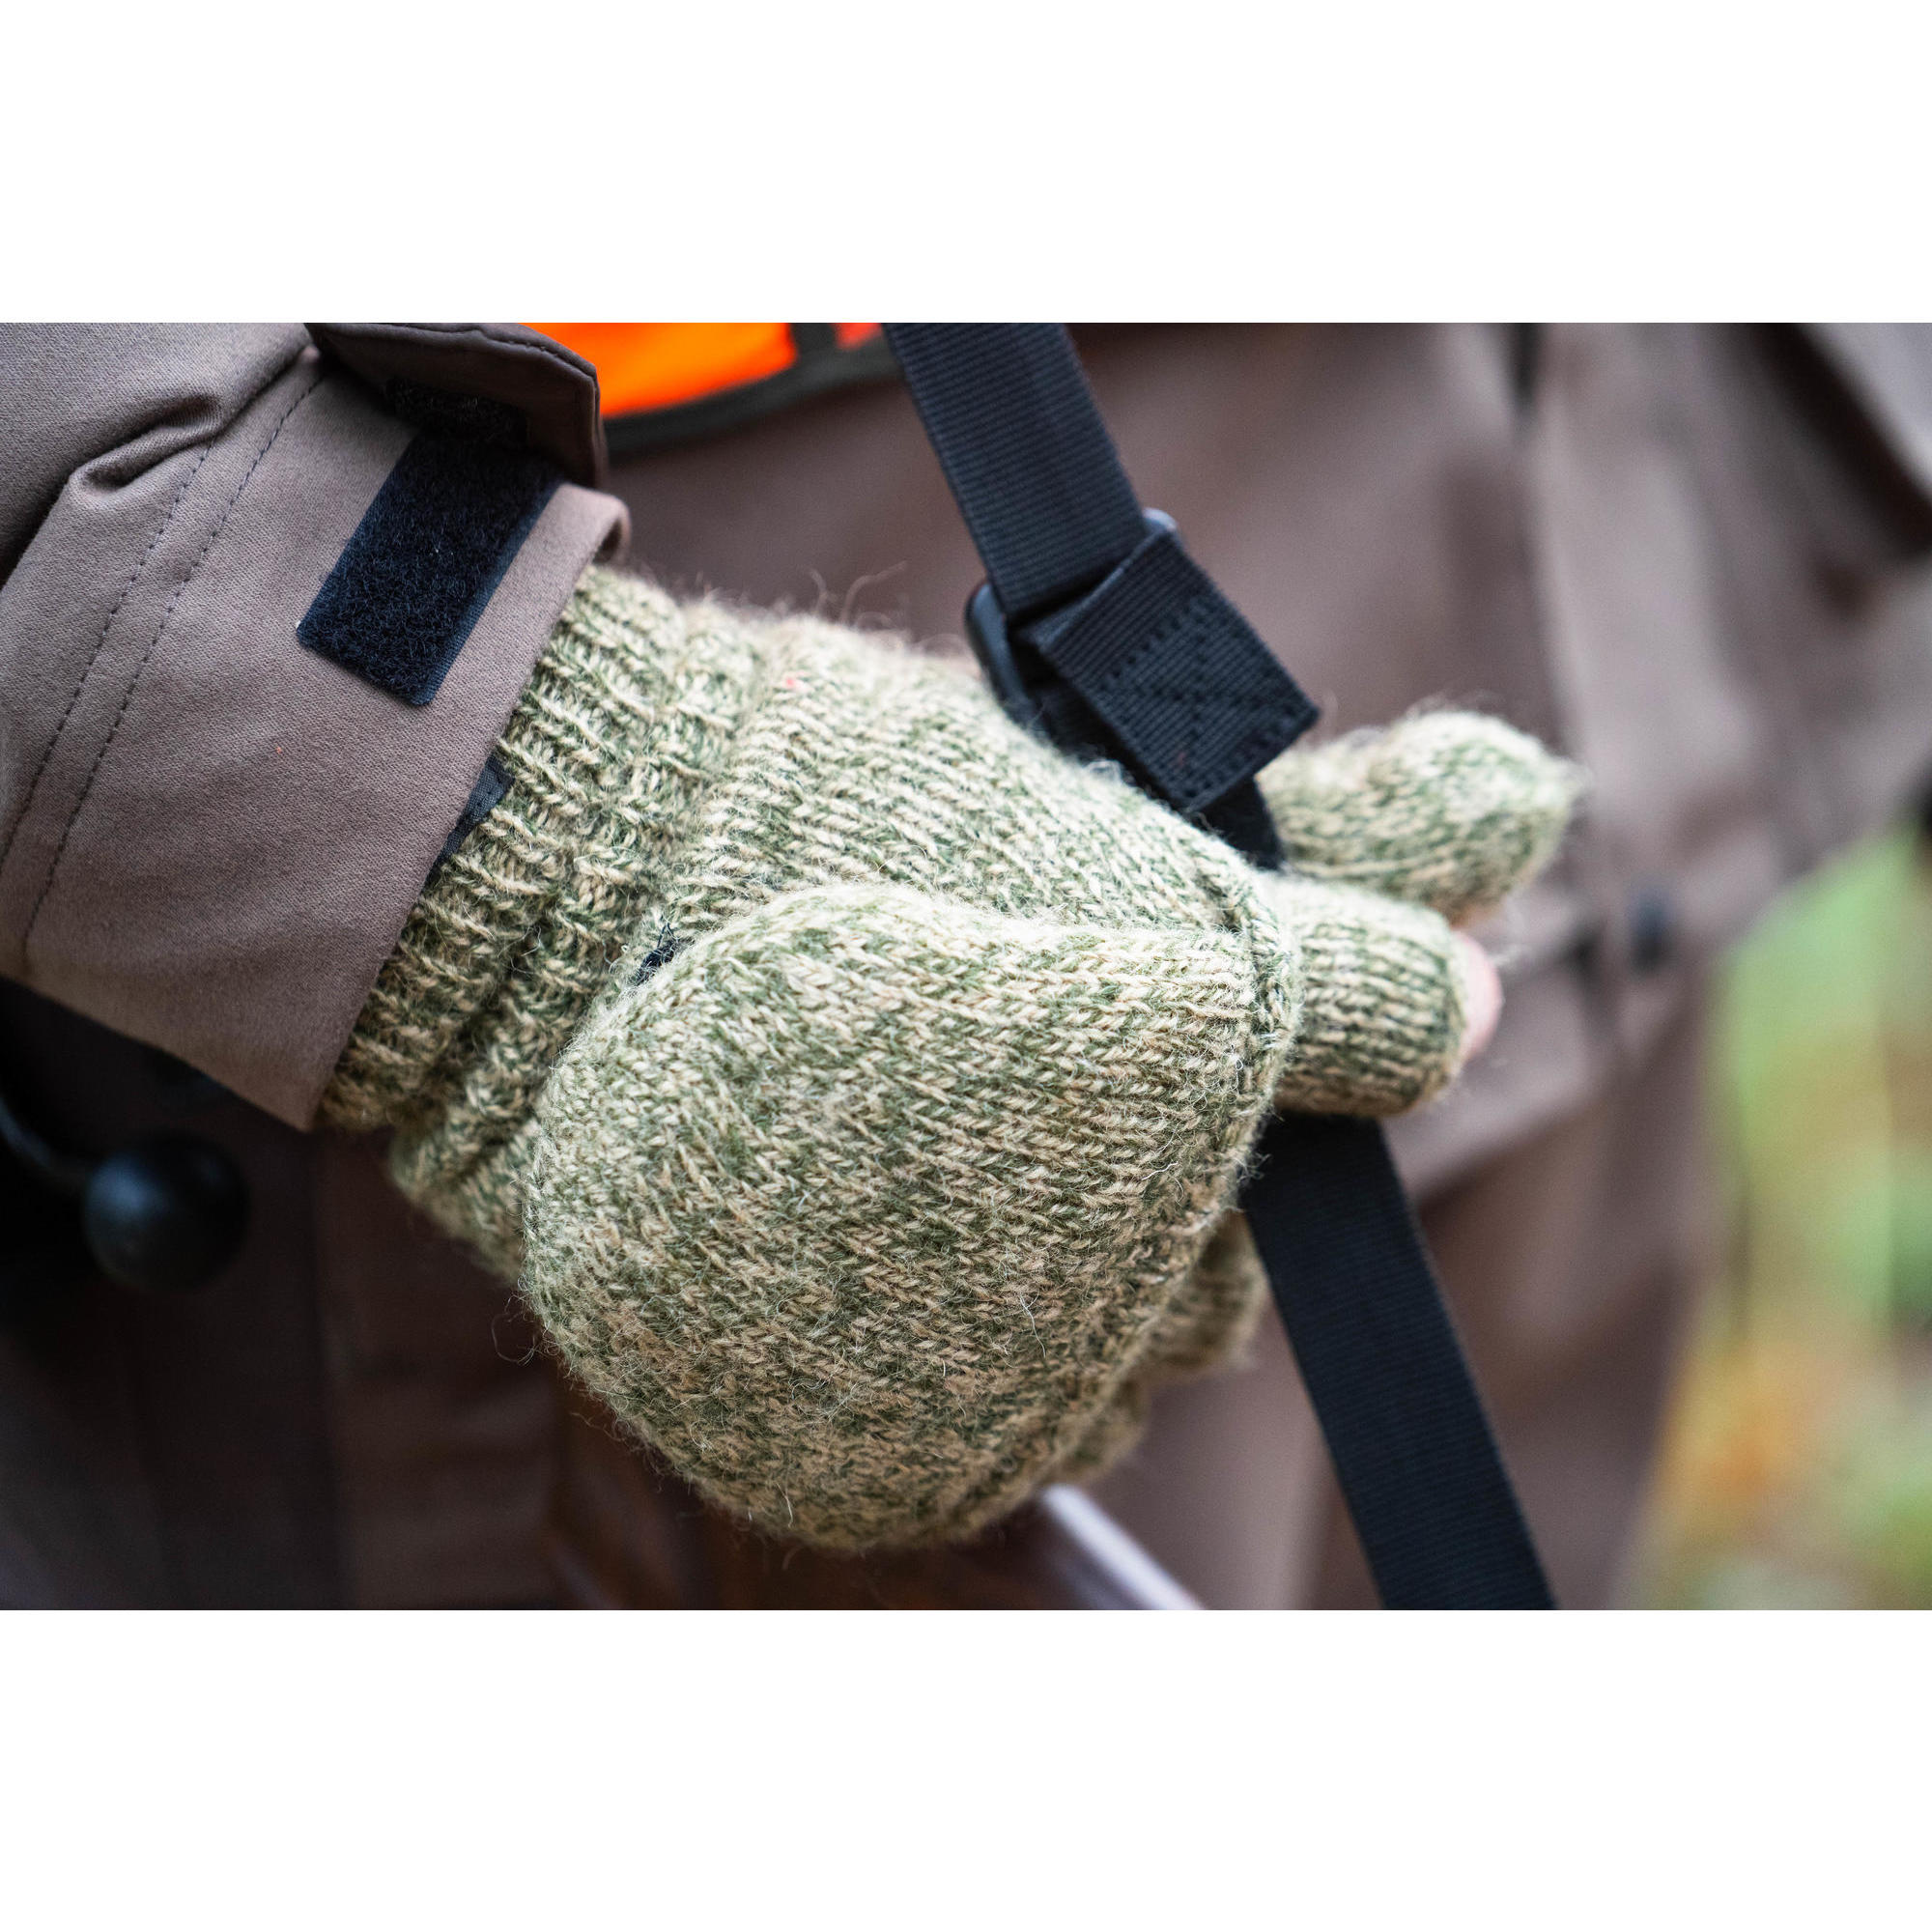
point(1193, 697)
point(127, 696)
point(94, 657)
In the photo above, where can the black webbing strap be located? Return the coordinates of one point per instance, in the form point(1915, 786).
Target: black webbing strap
point(1050, 508)
point(1094, 633)
point(1118, 641)
point(1426, 1489)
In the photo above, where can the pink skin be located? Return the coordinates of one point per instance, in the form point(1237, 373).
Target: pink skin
point(1481, 997)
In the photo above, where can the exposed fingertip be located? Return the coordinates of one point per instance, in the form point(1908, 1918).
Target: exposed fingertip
point(1482, 998)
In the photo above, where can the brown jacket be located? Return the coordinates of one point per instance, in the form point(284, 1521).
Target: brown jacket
point(1690, 556)
point(210, 837)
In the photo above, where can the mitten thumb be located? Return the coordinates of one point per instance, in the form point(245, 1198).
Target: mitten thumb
point(1444, 808)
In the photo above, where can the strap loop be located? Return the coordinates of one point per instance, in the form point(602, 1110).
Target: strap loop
point(1053, 679)
point(1192, 697)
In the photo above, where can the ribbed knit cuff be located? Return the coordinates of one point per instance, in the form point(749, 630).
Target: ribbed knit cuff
point(630, 711)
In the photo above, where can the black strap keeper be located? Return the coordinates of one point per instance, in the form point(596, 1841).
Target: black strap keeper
point(1192, 697)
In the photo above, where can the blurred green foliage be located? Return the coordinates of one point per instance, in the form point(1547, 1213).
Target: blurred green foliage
point(1798, 1468)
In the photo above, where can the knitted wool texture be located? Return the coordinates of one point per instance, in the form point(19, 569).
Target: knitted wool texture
point(1447, 809)
point(857, 1086)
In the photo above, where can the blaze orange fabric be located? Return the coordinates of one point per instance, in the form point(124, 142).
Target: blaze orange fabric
point(651, 365)
point(654, 365)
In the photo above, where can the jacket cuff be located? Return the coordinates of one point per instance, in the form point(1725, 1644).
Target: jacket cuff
point(217, 834)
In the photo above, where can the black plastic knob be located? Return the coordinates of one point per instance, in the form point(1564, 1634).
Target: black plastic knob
point(165, 1214)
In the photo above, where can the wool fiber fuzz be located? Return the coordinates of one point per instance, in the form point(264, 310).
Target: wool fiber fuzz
point(857, 1087)
point(1446, 809)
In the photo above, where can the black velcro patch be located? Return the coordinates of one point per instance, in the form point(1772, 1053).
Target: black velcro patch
point(476, 417)
point(424, 560)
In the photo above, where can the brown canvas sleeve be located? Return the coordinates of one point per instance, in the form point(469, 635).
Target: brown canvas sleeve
point(210, 836)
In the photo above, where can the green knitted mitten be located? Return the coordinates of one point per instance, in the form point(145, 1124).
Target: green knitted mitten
point(857, 1087)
